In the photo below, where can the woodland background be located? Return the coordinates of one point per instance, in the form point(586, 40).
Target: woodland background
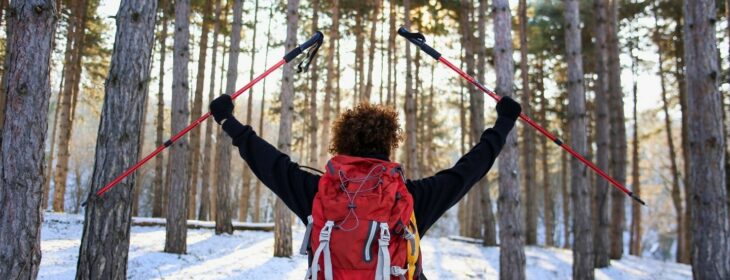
point(620, 81)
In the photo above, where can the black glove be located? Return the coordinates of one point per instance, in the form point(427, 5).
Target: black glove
point(509, 108)
point(221, 108)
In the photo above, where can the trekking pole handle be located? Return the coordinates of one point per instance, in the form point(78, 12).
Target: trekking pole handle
point(317, 38)
point(419, 40)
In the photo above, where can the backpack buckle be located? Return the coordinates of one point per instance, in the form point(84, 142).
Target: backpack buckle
point(324, 235)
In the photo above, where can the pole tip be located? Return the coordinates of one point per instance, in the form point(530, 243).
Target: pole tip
point(637, 199)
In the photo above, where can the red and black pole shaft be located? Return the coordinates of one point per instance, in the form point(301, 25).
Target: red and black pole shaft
point(419, 40)
point(316, 41)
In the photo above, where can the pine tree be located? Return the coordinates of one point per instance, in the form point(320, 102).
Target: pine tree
point(709, 214)
point(105, 241)
point(159, 187)
point(282, 225)
point(583, 239)
point(528, 134)
point(26, 85)
point(329, 84)
point(412, 170)
point(177, 202)
point(601, 241)
point(512, 252)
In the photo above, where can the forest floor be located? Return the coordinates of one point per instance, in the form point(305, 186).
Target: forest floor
point(248, 255)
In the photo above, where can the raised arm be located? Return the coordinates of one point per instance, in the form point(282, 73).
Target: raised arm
point(434, 195)
point(295, 187)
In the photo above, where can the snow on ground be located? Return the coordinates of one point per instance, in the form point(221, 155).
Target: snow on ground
point(248, 255)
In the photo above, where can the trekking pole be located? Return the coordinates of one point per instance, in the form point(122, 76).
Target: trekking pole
point(315, 41)
point(419, 40)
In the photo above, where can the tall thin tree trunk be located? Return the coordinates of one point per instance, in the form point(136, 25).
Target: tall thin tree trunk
point(566, 198)
point(329, 84)
point(548, 193)
point(72, 77)
point(635, 232)
point(676, 191)
point(410, 106)
point(197, 109)
point(51, 153)
point(258, 191)
point(26, 85)
point(159, 186)
point(618, 133)
point(583, 256)
point(371, 55)
point(528, 134)
point(177, 202)
point(246, 185)
point(282, 225)
point(601, 241)
point(394, 50)
point(512, 252)
point(709, 214)
point(313, 123)
point(223, 217)
point(204, 212)
point(105, 241)
point(686, 241)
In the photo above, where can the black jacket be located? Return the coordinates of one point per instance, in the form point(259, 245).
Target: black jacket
point(432, 196)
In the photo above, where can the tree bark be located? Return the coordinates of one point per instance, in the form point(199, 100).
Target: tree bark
point(282, 225)
point(512, 253)
point(566, 198)
point(329, 84)
point(258, 191)
point(686, 241)
point(246, 185)
point(204, 211)
point(676, 191)
point(412, 170)
point(177, 202)
point(313, 123)
point(635, 230)
point(197, 109)
point(548, 194)
point(601, 221)
point(223, 217)
point(51, 153)
point(105, 241)
point(583, 240)
point(26, 85)
point(159, 191)
point(371, 55)
point(709, 218)
point(72, 78)
point(618, 133)
point(528, 133)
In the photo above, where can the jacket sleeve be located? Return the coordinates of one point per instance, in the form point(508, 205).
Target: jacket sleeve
point(433, 196)
point(295, 187)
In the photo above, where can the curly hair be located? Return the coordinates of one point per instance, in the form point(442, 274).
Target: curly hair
point(366, 130)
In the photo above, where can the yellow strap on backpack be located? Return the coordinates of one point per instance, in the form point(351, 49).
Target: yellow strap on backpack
point(413, 253)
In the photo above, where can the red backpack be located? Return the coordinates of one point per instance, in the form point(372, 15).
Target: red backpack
point(362, 224)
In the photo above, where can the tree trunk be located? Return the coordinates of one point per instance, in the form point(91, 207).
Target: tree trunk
point(635, 232)
point(410, 106)
point(26, 85)
point(159, 185)
point(105, 241)
point(258, 191)
point(710, 244)
point(204, 212)
point(548, 194)
point(583, 239)
point(686, 241)
point(329, 87)
point(197, 110)
point(618, 133)
point(313, 123)
point(177, 202)
point(601, 241)
point(676, 191)
point(223, 217)
point(246, 185)
point(566, 198)
point(72, 77)
point(357, 90)
point(51, 153)
point(512, 252)
point(371, 55)
point(528, 133)
point(282, 225)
